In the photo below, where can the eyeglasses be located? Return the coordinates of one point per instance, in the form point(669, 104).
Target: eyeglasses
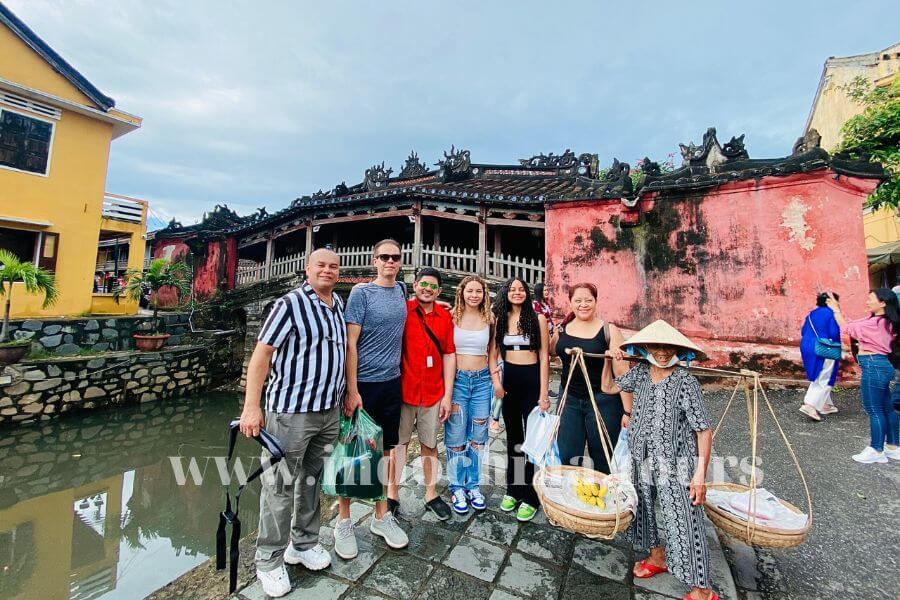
point(431, 286)
point(387, 257)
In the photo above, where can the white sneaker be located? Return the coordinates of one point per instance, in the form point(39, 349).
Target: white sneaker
point(390, 530)
point(829, 409)
point(275, 583)
point(892, 453)
point(314, 559)
point(870, 456)
point(810, 412)
point(345, 540)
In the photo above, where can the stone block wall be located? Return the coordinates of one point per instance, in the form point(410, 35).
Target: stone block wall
point(67, 337)
point(50, 387)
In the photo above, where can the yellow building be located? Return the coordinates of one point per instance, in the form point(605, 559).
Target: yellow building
point(831, 108)
point(55, 134)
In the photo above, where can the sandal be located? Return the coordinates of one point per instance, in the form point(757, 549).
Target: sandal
point(712, 596)
point(652, 570)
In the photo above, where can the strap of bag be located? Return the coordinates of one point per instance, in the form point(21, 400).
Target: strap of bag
point(815, 333)
point(428, 330)
point(229, 515)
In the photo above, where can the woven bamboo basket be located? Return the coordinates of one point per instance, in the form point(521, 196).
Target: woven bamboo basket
point(589, 524)
point(755, 534)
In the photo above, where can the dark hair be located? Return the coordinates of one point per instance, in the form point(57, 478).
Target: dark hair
point(892, 314)
point(578, 286)
point(528, 319)
point(385, 242)
point(430, 272)
point(539, 291)
point(822, 299)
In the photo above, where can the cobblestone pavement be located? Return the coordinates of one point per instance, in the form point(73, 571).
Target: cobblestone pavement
point(488, 555)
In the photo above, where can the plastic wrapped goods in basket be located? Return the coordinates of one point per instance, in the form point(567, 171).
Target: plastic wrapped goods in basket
point(586, 501)
point(352, 469)
point(756, 517)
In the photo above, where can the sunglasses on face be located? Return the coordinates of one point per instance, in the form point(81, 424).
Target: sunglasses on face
point(430, 286)
point(387, 257)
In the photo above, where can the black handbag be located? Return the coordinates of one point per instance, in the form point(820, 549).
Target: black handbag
point(825, 348)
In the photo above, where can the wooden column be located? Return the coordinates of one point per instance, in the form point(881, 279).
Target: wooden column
point(417, 236)
point(270, 251)
point(309, 237)
point(437, 234)
point(482, 241)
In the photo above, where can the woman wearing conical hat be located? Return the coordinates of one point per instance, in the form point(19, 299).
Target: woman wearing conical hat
point(670, 446)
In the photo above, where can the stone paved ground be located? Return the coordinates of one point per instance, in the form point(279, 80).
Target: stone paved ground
point(489, 555)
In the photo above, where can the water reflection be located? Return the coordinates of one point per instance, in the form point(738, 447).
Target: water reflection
point(90, 506)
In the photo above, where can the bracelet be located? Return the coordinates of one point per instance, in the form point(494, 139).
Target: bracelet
point(628, 414)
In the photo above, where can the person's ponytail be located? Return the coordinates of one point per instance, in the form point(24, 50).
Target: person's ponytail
point(892, 315)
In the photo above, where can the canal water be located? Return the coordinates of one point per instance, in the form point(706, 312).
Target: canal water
point(107, 505)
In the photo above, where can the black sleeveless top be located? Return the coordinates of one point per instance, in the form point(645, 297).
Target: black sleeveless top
point(595, 345)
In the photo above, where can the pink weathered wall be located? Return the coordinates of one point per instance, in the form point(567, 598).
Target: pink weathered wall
point(740, 263)
point(214, 270)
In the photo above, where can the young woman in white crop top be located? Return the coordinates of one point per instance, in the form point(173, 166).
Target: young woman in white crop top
point(466, 430)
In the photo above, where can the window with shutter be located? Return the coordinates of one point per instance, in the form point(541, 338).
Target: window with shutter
point(24, 142)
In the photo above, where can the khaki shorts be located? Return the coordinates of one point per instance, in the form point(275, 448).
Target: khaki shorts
point(425, 420)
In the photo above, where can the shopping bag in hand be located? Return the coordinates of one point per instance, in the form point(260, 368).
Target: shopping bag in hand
point(621, 458)
point(539, 434)
point(352, 469)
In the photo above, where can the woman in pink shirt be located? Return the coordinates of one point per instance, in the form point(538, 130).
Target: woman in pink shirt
point(879, 350)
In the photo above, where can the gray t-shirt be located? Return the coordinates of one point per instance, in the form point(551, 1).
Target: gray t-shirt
point(381, 313)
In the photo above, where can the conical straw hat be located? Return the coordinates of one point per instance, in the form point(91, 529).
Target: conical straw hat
point(660, 332)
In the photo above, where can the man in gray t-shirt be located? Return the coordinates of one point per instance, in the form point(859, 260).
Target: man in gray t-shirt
point(375, 316)
point(381, 314)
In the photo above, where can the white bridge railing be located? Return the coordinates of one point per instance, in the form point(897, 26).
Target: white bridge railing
point(457, 261)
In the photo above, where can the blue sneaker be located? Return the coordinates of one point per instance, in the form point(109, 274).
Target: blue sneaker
point(476, 499)
point(460, 503)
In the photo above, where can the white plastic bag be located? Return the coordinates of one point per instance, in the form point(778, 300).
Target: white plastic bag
point(539, 434)
point(621, 458)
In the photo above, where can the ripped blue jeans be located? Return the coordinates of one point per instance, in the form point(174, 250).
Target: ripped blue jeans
point(466, 431)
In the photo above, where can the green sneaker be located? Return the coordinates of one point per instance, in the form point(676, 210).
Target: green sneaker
point(507, 504)
point(526, 512)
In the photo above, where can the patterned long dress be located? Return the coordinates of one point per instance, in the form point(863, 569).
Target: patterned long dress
point(665, 417)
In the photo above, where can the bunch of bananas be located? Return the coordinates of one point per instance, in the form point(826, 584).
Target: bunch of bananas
point(592, 494)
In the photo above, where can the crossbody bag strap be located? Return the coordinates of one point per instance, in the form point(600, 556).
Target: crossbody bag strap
point(428, 330)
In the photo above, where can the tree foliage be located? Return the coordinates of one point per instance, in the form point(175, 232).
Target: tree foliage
point(160, 274)
point(876, 133)
point(35, 279)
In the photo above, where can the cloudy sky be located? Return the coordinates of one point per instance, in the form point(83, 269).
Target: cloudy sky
point(253, 103)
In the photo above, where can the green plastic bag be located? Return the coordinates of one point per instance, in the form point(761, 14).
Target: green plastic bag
point(352, 469)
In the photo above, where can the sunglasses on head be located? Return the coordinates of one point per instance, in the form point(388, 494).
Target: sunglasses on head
point(387, 257)
point(431, 286)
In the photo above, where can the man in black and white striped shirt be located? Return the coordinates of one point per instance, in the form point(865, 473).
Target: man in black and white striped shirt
point(304, 340)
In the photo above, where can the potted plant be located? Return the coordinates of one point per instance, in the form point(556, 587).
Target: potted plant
point(35, 280)
point(161, 273)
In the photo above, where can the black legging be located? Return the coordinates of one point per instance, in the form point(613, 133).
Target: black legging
point(522, 384)
point(579, 423)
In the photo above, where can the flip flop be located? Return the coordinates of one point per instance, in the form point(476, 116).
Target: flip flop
point(652, 570)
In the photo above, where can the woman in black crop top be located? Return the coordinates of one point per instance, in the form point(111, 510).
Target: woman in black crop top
point(585, 329)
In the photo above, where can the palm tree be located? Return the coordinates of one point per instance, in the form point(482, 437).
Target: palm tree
point(36, 280)
point(160, 274)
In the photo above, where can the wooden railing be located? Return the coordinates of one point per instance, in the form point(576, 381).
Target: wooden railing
point(457, 261)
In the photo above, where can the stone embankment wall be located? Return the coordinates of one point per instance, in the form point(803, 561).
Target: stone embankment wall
point(49, 387)
point(67, 337)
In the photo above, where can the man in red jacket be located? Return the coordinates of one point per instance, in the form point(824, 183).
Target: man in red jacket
point(427, 371)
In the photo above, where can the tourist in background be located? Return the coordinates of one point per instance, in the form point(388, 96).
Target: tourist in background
point(427, 371)
point(376, 316)
point(466, 431)
point(879, 351)
point(522, 339)
point(821, 372)
point(541, 303)
point(584, 328)
point(303, 399)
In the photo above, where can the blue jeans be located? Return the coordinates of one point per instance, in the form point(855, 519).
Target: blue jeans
point(895, 395)
point(466, 431)
point(884, 423)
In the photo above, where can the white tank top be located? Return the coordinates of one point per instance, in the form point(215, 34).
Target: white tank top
point(471, 342)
